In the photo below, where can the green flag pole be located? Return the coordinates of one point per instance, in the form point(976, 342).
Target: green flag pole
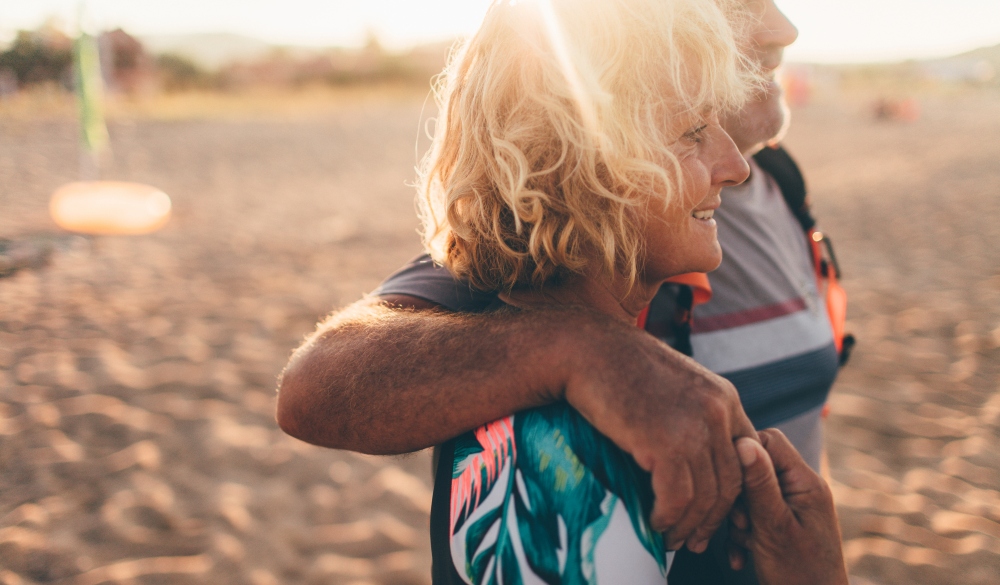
point(90, 98)
point(92, 206)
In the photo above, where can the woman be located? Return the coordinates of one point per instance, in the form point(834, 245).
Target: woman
point(577, 161)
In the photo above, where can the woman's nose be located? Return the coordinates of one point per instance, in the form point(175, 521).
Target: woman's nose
point(730, 167)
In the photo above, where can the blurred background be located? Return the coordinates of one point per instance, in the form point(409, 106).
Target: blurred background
point(137, 373)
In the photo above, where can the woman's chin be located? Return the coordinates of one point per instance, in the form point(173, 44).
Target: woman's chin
point(706, 260)
point(716, 257)
point(708, 265)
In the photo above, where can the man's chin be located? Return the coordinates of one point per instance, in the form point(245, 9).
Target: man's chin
point(759, 123)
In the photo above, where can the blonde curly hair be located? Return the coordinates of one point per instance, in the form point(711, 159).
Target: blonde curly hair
point(556, 125)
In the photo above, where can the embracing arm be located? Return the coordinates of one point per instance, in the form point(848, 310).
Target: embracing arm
point(388, 378)
point(384, 379)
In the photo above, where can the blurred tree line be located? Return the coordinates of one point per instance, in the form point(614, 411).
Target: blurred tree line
point(45, 56)
point(41, 56)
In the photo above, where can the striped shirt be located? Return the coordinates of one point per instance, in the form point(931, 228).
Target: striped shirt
point(766, 328)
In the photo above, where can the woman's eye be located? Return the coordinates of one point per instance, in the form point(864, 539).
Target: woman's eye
point(695, 134)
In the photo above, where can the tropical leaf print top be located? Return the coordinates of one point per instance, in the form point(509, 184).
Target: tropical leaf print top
point(542, 497)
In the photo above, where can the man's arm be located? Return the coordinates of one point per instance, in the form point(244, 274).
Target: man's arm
point(386, 379)
point(398, 374)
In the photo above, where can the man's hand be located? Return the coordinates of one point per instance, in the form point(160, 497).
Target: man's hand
point(382, 379)
point(678, 420)
point(786, 518)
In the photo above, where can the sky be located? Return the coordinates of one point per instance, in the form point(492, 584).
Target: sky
point(829, 30)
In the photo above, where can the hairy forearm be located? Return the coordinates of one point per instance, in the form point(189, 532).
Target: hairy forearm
point(391, 380)
point(387, 380)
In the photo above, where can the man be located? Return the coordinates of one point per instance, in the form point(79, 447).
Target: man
point(396, 373)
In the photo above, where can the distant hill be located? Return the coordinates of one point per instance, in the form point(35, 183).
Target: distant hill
point(976, 68)
point(988, 53)
point(216, 50)
point(980, 65)
point(210, 50)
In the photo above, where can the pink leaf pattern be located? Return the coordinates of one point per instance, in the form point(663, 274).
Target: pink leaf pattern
point(497, 440)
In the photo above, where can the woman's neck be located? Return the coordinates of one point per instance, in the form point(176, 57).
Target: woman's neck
point(612, 297)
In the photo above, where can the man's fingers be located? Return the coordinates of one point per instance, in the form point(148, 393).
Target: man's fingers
point(729, 479)
point(738, 517)
point(741, 425)
point(779, 448)
point(739, 422)
point(741, 538)
point(794, 474)
point(728, 470)
point(737, 556)
point(719, 475)
point(760, 482)
point(706, 493)
point(673, 490)
point(739, 525)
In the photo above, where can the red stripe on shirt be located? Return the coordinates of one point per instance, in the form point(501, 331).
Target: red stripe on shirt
point(740, 318)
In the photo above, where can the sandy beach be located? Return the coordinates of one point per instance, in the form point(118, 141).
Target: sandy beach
point(137, 374)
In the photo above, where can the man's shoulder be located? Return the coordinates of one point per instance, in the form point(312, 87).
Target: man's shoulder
point(776, 162)
point(425, 279)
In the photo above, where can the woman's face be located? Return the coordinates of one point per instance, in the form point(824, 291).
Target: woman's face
point(681, 237)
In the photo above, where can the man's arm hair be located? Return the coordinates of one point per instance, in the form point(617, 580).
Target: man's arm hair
point(384, 379)
point(396, 374)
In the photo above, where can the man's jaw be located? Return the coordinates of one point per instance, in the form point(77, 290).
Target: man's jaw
point(770, 68)
point(763, 120)
point(770, 61)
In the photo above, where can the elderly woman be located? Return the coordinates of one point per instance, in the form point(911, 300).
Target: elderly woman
point(577, 161)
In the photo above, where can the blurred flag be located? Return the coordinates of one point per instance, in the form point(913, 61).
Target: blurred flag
point(90, 94)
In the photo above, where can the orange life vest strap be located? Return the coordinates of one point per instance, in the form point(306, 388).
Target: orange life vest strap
point(826, 282)
point(701, 292)
point(640, 320)
point(698, 281)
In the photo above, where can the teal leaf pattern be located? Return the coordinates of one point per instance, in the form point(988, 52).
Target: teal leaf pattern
point(535, 498)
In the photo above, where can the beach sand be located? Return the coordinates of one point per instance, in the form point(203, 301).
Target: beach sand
point(137, 374)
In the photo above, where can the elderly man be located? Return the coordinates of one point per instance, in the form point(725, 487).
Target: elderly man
point(423, 360)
